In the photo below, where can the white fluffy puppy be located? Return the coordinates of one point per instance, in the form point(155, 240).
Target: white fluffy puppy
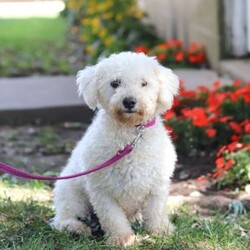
point(129, 89)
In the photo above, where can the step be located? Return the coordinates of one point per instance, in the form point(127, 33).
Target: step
point(50, 99)
point(43, 99)
point(237, 69)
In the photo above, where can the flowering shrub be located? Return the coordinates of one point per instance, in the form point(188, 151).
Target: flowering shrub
point(205, 120)
point(108, 26)
point(233, 164)
point(172, 53)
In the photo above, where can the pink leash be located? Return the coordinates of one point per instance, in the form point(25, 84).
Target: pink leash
point(119, 155)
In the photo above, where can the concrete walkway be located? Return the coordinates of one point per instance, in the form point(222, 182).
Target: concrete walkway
point(237, 69)
point(49, 99)
point(41, 99)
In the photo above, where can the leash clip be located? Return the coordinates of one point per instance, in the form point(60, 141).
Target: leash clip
point(139, 130)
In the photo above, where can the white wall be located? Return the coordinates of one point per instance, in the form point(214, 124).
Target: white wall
point(248, 25)
point(235, 21)
point(187, 20)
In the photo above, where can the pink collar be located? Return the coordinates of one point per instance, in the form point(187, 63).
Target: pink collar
point(119, 155)
point(140, 130)
point(149, 124)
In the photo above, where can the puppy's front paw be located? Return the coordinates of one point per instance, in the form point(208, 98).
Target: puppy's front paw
point(72, 225)
point(121, 240)
point(165, 228)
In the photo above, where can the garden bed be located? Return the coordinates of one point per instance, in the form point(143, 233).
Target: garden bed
point(46, 148)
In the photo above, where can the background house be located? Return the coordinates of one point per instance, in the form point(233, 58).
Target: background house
point(223, 26)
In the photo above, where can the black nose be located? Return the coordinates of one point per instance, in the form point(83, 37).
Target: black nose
point(129, 102)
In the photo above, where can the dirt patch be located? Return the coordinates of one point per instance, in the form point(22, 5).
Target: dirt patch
point(46, 148)
point(39, 149)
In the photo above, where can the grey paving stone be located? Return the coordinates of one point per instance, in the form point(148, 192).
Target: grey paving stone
point(38, 92)
point(194, 78)
point(41, 100)
point(48, 99)
point(237, 69)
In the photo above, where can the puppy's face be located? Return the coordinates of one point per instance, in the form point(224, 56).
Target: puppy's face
point(131, 87)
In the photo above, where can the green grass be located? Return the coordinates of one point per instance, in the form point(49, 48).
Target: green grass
point(34, 45)
point(24, 225)
point(46, 29)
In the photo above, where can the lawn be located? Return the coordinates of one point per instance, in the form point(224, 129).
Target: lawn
point(34, 46)
point(24, 225)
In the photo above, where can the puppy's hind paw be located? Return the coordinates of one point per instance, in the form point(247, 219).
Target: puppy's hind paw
point(71, 225)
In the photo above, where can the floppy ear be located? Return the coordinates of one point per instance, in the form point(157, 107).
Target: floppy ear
point(169, 86)
point(87, 86)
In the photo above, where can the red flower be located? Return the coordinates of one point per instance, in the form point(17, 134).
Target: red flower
point(203, 89)
point(247, 128)
point(198, 116)
point(222, 149)
point(169, 114)
point(187, 93)
point(168, 128)
point(245, 122)
point(174, 43)
point(179, 56)
point(176, 103)
point(218, 173)
point(171, 132)
point(236, 127)
point(210, 132)
point(233, 97)
point(161, 56)
point(216, 84)
point(232, 146)
point(214, 117)
point(247, 97)
point(220, 162)
point(236, 83)
point(229, 164)
point(195, 47)
point(214, 101)
point(200, 57)
point(244, 92)
point(222, 166)
point(225, 118)
point(234, 138)
point(143, 49)
point(192, 59)
point(196, 53)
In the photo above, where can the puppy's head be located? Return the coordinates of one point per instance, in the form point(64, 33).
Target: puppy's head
point(131, 87)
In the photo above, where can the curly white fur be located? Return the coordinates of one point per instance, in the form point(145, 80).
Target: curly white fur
point(139, 183)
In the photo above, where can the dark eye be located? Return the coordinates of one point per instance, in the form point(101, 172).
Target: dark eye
point(144, 83)
point(116, 83)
